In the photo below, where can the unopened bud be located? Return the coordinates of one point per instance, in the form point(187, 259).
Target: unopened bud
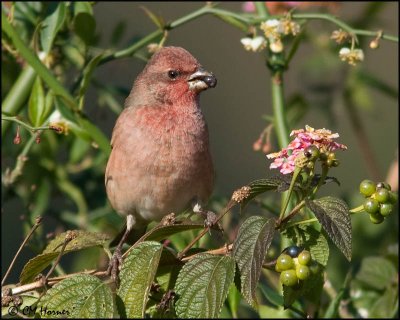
point(257, 145)
point(17, 139)
point(374, 44)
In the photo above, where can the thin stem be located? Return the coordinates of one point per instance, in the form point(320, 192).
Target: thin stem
point(261, 9)
point(292, 213)
point(289, 193)
point(31, 129)
point(228, 207)
point(324, 173)
point(52, 281)
point(308, 221)
point(33, 229)
point(10, 177)
point(357, 209)
point(278, 105)
point(220, 251)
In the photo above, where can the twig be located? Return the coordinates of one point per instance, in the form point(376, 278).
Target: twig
point(220, 251)
point(31, 129)
point(68, 237)
point(52, 281)
point(33, 229)
point(228, 207)
point(294, 211)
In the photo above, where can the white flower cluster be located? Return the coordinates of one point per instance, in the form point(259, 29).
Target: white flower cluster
point(274, 30)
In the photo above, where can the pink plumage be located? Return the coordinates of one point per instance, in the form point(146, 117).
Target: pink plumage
point(160, 160)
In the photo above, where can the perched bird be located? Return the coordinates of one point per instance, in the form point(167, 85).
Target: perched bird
point(160, 160)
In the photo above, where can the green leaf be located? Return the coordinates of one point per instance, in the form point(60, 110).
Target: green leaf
point(36, 103)
point(257, 187)
point(83, 240)
point(386, 306)
point(376, 272)
point(202, 286)
point(84, 23)
point(249, 249)
point(334, 216)
point(267, 312)
point(51, 25)
point(307, 237)
point(137, 274)
point(86, 77)
point(81, 296)
point(234, 300)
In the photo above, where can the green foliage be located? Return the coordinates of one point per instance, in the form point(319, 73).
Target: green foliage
point(50, 61)
point(137, 274)
point(80, 296)
point(202, 286)
point(249, 249)
point(82, 240)
point(334, 216)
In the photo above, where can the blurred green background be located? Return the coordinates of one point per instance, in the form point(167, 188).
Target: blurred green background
point(234, 112)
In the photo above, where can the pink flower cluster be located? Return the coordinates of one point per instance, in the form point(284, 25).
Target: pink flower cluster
point(321, 138)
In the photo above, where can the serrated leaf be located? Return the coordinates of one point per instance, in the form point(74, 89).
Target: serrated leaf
point(307, 237)
point(334, 216)
point(260, 186)
point(252, 242)
point(202, 286)
point(83, 240)
point(376, 272)
point(51, 25)
point(137, 274)
point(81, 296)
point(36, 103)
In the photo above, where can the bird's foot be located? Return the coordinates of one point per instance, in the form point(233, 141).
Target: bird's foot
point(114, 266)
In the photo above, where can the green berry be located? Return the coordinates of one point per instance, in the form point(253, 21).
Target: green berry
point(323, 156)
point(386, 209)
point(367, 187)
point(331, 156)
point(311, 152)
point(383, 185)
point(314, 267)
point(293, 251)
point(329, 162)
point(288, 278)
point(382, 195)
point(376, 218)
point(371, 205)
point(302, 272)
point(304, 257)
point(284, 262)
point(393, 197)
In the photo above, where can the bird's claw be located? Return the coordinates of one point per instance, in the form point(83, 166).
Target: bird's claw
point(114, 266)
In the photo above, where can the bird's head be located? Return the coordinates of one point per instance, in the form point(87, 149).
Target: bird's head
point(172, 76)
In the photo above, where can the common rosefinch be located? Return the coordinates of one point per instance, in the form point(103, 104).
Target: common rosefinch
point(160, 160)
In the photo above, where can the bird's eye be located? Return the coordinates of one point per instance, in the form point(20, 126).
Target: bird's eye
point(173, 74)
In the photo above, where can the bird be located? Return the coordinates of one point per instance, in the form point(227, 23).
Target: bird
point(160, 161)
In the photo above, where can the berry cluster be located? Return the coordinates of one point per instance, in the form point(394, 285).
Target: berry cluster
point(379, 200)
point(295, 264)
point(312, 153)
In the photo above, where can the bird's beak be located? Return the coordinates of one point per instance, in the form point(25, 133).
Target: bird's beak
point(201, 80)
